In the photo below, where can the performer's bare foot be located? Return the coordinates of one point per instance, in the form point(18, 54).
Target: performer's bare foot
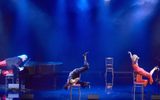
point(157, 68)
point(154, 69)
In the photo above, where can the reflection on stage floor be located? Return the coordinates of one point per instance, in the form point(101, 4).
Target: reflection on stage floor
point(123, 92)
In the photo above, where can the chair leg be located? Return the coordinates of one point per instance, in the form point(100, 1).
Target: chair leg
point(78, 93)
point(78, 90)
point(71, 93)
point(13, 80)
point(142, 92)
point(134, 90)
point(6, 82)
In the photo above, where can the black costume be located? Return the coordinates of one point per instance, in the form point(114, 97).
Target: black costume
point(14, 62)
point(76, 73)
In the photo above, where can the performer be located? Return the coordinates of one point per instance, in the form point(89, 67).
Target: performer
point(13, 63)
point(140, 71)
point(74, 76)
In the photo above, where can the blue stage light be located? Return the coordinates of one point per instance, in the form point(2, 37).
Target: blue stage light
point(107, 0)
point(82, 5)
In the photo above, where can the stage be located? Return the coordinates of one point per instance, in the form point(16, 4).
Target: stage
point(122, 88)
point(118, 92)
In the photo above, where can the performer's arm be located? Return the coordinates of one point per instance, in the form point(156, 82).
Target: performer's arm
point(130, 54)
point(20, 68)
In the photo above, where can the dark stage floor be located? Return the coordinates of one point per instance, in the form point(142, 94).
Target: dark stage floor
point(117, 93)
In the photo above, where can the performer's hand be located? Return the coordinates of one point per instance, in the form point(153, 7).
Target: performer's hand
point(129, 52)
point(21, 68)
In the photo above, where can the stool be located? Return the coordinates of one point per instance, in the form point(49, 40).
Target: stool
point(137, 85)
point(75, 86)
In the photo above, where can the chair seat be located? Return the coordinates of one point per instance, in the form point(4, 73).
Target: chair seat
point(139, 83)
point(10, 75)
point(76, 85)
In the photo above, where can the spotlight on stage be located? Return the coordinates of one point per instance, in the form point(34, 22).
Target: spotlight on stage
point(82, 5)
point(107, 0)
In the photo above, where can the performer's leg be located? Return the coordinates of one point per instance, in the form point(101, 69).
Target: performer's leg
point(146, 74)
point(82, 69)
point(139, 79)
point(3, 63)
point(154, 69)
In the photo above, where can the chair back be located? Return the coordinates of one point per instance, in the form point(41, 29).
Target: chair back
point(109, 62)
point(134, 76)
point(137, 79)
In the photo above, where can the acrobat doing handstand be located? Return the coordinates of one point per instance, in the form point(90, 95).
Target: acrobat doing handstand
point(140, 71)
point(74, 75)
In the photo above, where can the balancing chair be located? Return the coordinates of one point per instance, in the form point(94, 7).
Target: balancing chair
point(75, 86)
point(9, 77)
point(138, 82)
